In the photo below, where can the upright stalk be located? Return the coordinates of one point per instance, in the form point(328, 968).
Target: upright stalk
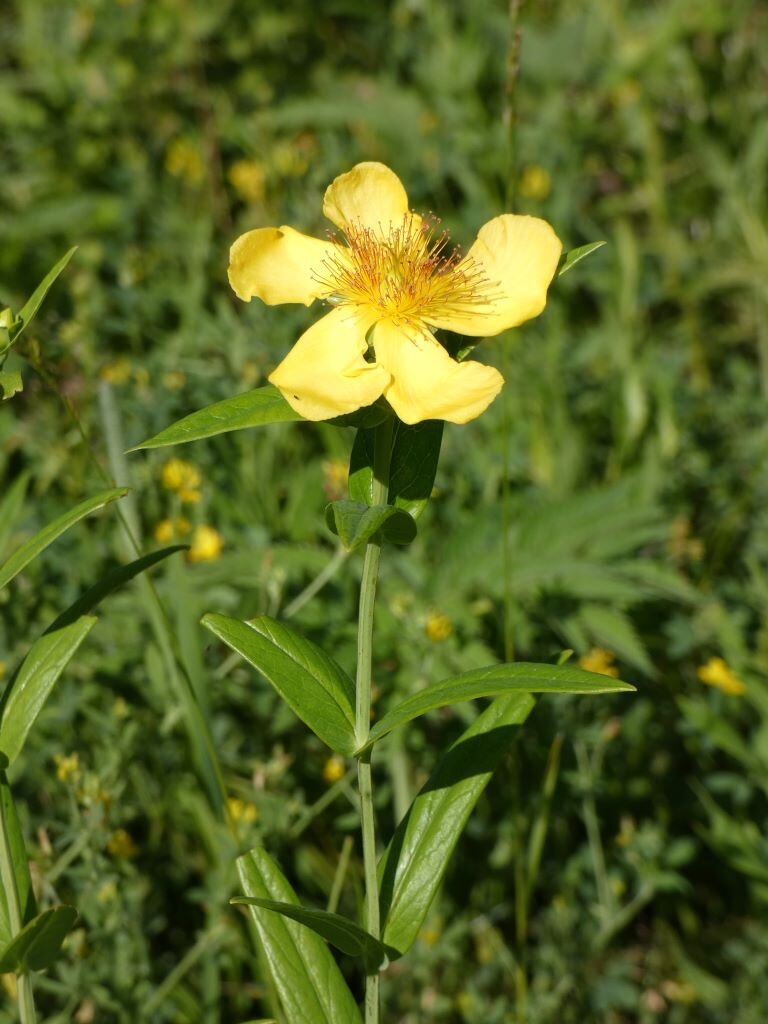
point(8, 879)
point(382, 456)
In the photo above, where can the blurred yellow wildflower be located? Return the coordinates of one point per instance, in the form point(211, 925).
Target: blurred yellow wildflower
point(334, 769)
point(247, 178)
point(430, 934)
point(183, 160)
point(141, 376)
point(601, 661)
point(241, 811)
point(184, 478)
point(2, 669)
point(8, 981)
point(169, 529)
point(120, 844)
point(289, 160)
point(438, 627)
point(174, 380)
point(717, 673)
point(67, 766)
point(335, 475)
point(118, 372)
point(535, 182)
point(389, 286)
point(108, 892)
point(207, 543)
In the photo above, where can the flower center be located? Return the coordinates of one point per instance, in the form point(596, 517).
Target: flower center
point(404, 273)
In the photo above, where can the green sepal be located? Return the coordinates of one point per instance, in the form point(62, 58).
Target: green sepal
point(309, 984)
point(571, 258)
point(310, 682)
point(493, 681)
point(339, 931)
point(38, 943)
point(367, 418)
point(356, 523)
point(415, 861)
point(251, 409)
point(413, 465)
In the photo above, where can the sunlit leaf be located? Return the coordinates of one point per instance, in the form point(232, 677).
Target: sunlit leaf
point(355, 523)
point(571, 258)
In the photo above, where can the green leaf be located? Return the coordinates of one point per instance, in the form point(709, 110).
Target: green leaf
point(27, 312)
point(11, 505)
point(365, 418)
point(10, 384)
point(49, 533)
point(25, 695)
point(37, 945)
point(415, 454)
point(310, 986)
point(19, 861)
point(340, 932)
point(571, 258)
point(317, 689)
point(251, 409)
point(111, 582)
point(355, 523)
point(416, 859)
point(494, 681)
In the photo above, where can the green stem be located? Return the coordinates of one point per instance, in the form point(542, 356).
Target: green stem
point(8, 879)
point(382, 456)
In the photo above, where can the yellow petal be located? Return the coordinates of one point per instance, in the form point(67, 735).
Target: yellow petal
point(426, 383)
point(517, 257)
point(369, 196)
point(325, 374)
point(279, 265)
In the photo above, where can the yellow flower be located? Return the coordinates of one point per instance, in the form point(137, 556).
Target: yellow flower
point(118, 372)
point(389, 286)
point(239, 811)
point(168, 529)
point(182, 477)
point(334, 769)
point(335, 476)
point(438, 627)
point(206, 544)
point(183, 160)
point(174, 380)
point(67, 766)
point(535, 182)
point(247, 177)
point(600, 661)
point(718, 674)
point(120, 844)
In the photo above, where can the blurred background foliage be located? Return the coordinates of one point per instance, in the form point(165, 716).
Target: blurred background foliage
point(614, 499)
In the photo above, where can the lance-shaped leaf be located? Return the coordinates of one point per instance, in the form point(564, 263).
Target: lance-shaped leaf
point(355, 523)
point(309, 984)
point(27, 692)
point(251, 409)
point(415, 454)
point(571, 258)
point(27, 312)
point(37, 945)
point(317, 689)
point(494, 681)
point(11, 504)
point(113, 580)
point(339, 931)
point(416, 859)
point(10, 384)
point(24, 555)
point(19, 863)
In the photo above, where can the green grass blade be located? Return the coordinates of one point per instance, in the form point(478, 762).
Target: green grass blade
point(571, 258)
point(18, 862)
point(28, 311)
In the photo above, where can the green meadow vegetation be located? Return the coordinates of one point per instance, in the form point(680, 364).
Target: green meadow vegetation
point(611, 503)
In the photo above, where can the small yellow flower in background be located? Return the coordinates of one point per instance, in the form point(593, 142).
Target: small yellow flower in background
point(169, 529)
point(601, 661)
point(535, 182)
point(183, 160)
point(2, 669)
point(430, 934)
point(174, 380)
point(120, 707)
point(206, 544)
point(438, 627)
point(120, 844)
point(288, 159)
point(118, 372)
point(389, 286)
point(108, 892)
point(334, 769)
point(67, 766)
point(335, 477)
point(717, 673)
point(240, 811)
point(8, 981)
point(248, 178)
point(184, 478)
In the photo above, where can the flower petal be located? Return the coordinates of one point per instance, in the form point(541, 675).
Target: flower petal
point(517, 256)
point(369, 196)
point(426, 383)
point(325, 374)
point(279, 265)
